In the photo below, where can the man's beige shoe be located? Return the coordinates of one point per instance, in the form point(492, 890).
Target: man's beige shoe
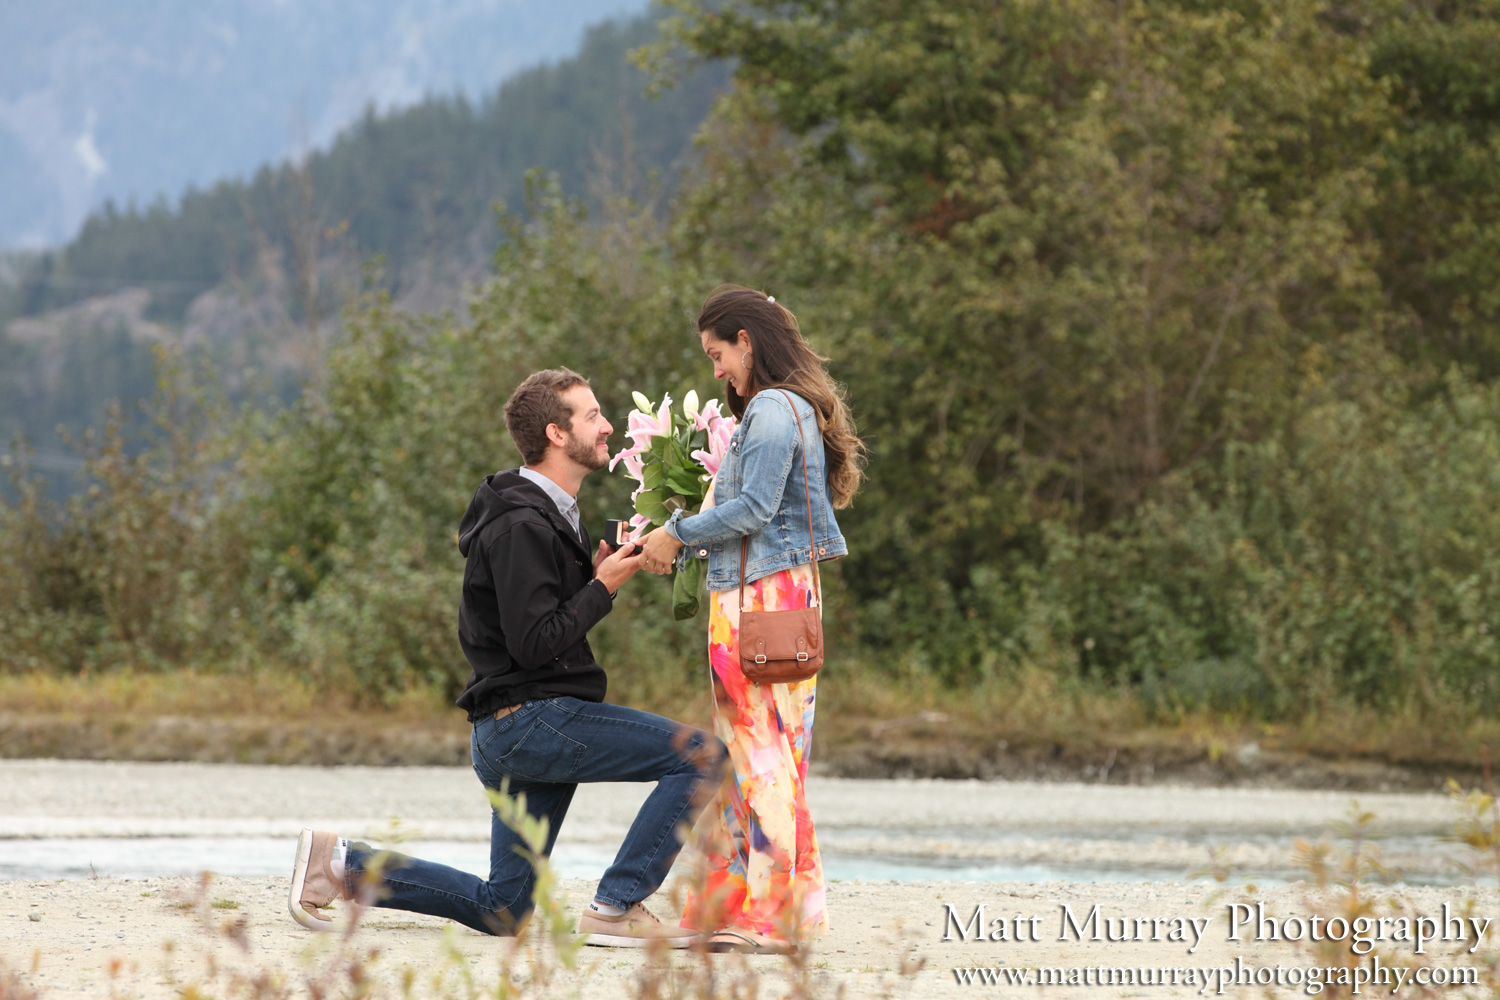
point(637, 927)
point(314, 886)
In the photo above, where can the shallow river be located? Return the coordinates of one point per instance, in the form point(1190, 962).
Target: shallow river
point(72, 819)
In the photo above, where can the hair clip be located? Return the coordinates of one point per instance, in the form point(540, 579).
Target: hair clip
point(770, 298)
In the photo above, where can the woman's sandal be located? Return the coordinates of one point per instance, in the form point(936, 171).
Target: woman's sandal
point(733, 940)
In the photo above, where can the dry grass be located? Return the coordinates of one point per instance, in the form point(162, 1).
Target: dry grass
point(1032, 724)
point(264, 718)
point(1028, 724)
point(270, 694)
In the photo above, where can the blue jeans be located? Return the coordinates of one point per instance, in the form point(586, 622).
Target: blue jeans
point(546, 748)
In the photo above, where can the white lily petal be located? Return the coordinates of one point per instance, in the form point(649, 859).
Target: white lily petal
point(642, 403)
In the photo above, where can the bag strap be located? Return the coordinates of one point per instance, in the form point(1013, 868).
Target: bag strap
point(812, 541)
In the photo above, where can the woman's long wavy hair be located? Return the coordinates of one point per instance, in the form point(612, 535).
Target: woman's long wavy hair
point(781, 358)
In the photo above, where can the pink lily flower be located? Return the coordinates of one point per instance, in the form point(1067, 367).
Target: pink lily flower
point(633, 467)
point(638, 527)
point(642, 428)
point(706, 416)
point(719, 433)
point(632, 458)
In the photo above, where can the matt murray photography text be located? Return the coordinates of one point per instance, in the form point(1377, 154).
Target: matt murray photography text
point(1240, 922)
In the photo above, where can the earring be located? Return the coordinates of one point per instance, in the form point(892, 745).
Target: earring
point(747, 361)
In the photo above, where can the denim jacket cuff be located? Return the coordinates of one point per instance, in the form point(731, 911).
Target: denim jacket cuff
point(682, 554)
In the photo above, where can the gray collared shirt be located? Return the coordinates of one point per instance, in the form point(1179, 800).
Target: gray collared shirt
point(566, 505)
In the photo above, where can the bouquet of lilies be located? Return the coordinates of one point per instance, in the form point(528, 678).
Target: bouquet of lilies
point(673, 455)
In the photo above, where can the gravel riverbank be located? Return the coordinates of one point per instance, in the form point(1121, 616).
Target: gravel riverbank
point(65, 937)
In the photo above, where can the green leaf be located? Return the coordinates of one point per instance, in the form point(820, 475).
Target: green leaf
point(686, 584)
point(672, 454)
point(685, 481)
point(648, 503)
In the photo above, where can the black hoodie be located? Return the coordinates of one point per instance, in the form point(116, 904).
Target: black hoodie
point(529, 600)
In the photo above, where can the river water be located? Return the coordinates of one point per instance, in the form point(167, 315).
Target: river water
point(76, 819)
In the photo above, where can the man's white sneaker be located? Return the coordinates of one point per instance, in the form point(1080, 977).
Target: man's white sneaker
point(314, 885)
point(637, 927)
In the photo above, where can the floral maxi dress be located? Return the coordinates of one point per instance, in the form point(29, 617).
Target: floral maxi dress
point(762, 871)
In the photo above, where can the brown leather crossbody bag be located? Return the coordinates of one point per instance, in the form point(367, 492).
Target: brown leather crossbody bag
point(783, 647)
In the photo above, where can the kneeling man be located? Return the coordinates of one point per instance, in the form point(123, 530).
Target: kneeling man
point(531, 592)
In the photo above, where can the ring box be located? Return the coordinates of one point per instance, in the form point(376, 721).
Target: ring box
point(617, 533)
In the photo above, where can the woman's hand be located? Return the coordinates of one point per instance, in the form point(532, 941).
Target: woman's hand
point(659, 549)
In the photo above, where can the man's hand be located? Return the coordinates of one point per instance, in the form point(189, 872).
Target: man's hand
point(604, 550)
point(616, 567)
point(659, 551)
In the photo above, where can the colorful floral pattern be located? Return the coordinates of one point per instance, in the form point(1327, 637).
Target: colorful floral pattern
point(762, 871)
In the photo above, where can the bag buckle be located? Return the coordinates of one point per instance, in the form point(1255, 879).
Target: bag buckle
point(801, 657)
point(760, 657)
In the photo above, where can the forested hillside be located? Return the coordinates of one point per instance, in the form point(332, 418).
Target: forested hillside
point(138, 101)
point(416, 187)
point(253, 273)
point(1172, 328)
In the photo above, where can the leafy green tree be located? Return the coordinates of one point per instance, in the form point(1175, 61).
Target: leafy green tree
point(1438, 215)
point(355, 499)
point(1087, 243)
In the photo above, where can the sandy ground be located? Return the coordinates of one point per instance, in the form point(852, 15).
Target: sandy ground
point(231, 937)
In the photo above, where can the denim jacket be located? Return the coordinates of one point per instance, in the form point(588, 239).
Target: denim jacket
point(759, 493)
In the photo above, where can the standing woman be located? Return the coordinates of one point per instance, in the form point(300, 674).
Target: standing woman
point(765, 880)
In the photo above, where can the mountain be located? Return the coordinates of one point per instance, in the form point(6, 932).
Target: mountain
point(135, 102)
point(251, 273)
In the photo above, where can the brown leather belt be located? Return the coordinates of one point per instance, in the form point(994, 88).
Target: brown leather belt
point(501, 713)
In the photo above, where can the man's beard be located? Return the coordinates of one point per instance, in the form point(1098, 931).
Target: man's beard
point(585, 453)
